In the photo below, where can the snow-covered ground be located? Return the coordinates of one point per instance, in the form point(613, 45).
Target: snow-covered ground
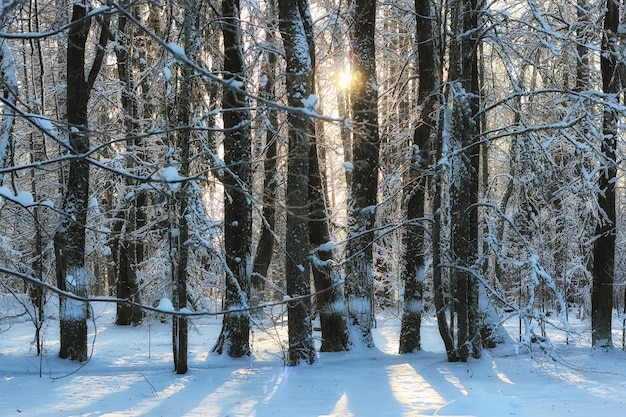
point(130, 374)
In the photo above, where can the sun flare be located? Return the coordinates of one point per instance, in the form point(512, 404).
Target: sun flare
point(344, 79)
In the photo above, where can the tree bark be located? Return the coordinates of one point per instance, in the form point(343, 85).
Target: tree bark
point(364, 182)
point(128, 248)
point(235, 334)
point(8, 80)
point(604, 244)
point(69, 238)
point(417, 181)
point(265, 247)
point(465, 174)
point(329, 298)
point(299, 73)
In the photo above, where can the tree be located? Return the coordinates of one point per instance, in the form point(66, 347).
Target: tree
point(265, 246)
point(8, 80)
point(235, 334)
point(69, 238)
point(465, 168)
point(417, 181)
point(604, 244)
point(299, 74)
point(326, 274)
point(127, 246)
point(180, 231)
point(364, 181)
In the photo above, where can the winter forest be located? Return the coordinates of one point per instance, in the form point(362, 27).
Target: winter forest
point(314, 163)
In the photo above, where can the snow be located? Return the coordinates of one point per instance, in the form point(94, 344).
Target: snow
point(165, 305)
point(310, 102)
point(130, 374)
point(167, 73)
point(172, 177)
point(23, 198)
point(177, 51)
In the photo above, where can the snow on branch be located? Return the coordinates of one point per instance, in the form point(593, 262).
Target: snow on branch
point(164, 306)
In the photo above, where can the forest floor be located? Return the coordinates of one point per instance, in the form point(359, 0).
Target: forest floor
point(130, 374)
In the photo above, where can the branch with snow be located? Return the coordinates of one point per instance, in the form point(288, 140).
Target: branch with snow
point(164, 306)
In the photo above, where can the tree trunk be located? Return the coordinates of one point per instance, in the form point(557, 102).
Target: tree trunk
point(417, 181)
point(364, 183)
point(298, 82)
point(265, 247)
point(8, 81)
point(329, 299)
point(184, 119)
point(465, 174)
point(604, 245)
point(69, 238)
point(128, 248)
point(235, 334)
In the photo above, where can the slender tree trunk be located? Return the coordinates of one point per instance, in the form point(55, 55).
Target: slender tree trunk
point(128, 248)
point(181, 239)
point(364, 183)
point(8, 81)
point(604, 245)
point(417, 181)
point(235, 334)
point(265, 247)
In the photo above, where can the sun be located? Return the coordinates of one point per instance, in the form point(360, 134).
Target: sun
point(344, 79)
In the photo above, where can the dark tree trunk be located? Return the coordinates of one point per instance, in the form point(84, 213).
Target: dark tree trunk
point(298, 82)
point(329, 299)
point(181, 241)
point(417, 182)
point(69, 238)
point(265, 247)
point(364, 181)
point(465, 174)
point(235, 334)
point(128, 249)
point(604, 245)
point(330, 303)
